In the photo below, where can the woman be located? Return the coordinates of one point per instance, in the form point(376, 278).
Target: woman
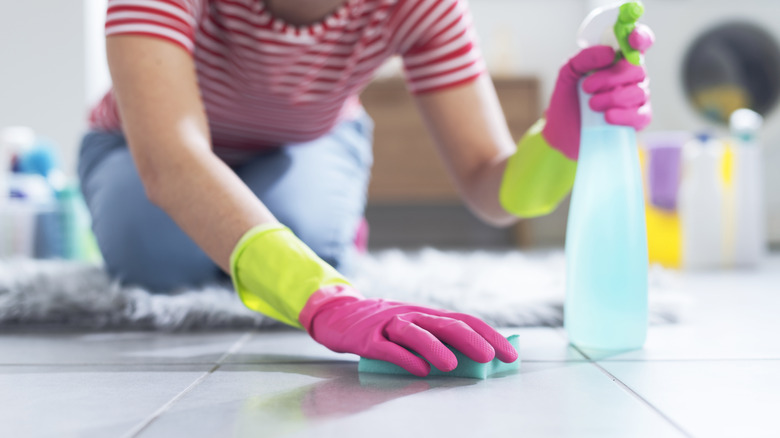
point(233, 138)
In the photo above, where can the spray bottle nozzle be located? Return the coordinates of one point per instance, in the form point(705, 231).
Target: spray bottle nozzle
point(630, 12)
point(626, 22)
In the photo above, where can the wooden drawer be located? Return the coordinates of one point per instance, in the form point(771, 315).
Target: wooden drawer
point(407, 167)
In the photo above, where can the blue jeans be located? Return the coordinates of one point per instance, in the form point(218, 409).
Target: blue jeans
point(317, 188)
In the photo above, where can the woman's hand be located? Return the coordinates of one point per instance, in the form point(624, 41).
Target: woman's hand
point(619, 90)
point(339, 318)
point(278, 275)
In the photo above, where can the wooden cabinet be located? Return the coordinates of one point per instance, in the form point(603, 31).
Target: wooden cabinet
point(407, 169)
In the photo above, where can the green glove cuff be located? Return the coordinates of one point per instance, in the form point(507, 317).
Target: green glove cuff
point(275, 273)
point(537, 176)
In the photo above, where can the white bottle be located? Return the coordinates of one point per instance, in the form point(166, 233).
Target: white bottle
point(750, 243)
point(701, 205)
point(13, 139)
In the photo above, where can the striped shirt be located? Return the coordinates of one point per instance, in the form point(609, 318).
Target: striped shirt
point(265, 82)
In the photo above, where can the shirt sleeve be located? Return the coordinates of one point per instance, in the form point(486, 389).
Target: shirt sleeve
point(171, 20)
point(440, 48)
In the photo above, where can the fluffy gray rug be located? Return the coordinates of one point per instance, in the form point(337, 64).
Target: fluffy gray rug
point(504, 288)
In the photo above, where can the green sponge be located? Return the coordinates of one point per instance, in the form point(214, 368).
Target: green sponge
point(466, 367)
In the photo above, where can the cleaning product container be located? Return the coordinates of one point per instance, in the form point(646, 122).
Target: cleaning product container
point(750, 209)
point(702, 205)
point(606, 237)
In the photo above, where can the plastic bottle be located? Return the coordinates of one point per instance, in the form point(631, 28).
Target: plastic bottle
point(702, 205)
point(750, 243)
point(14, 213)
point(29, 196)
point(606, 240)
point(40, 161)
point(13, 139)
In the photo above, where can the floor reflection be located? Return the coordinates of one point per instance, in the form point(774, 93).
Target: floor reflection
point(342, 392)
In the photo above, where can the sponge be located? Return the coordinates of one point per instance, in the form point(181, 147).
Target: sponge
point(466, 367)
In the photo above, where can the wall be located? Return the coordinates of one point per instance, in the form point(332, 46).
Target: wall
point(53, 66)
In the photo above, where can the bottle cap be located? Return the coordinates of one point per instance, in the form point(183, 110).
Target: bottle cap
point(745, 123)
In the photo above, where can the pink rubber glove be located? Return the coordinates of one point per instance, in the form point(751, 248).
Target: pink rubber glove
point(339, 318)
point(619, 90)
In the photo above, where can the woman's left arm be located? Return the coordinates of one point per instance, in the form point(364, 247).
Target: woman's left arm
point(473, 139)
point(500, 182)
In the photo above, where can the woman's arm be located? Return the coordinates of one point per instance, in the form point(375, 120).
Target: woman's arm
point(471, 134)
point(168, 135)
point(492, 175)
point(273, 271)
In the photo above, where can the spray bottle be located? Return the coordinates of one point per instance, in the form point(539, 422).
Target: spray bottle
point(606, 236)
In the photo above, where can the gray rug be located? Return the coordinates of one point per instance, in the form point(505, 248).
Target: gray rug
point(504, 288)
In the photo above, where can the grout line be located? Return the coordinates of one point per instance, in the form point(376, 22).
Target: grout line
point(146, 423)
point(764, 359)
point(109, 364)
point(635, 394)
point(185, 364)
point(239, 343)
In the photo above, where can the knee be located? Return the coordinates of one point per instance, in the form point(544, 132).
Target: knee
point(140, 244)
point(141, 248)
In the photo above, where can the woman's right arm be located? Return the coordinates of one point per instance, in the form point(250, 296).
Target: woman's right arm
point(273, 271)
point(165, 123)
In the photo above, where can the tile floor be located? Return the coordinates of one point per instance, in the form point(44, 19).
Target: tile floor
point(716, 373)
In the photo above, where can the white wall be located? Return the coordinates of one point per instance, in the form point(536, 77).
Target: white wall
point(51, 66)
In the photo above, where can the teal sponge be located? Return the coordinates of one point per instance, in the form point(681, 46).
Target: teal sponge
point(466, 367)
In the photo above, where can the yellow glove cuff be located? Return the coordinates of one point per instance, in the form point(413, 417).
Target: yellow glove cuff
point(537, 177)
point(275, 273)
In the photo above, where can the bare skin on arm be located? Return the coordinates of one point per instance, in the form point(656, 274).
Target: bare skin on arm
point(168, 135)
point(473, 139)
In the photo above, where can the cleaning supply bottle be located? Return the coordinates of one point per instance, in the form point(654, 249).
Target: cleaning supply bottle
point(12, 140)
point(606, 237)
point(750, 243)
point(702, 204)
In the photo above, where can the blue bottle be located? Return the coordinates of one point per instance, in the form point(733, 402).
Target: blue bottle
point(606, 240)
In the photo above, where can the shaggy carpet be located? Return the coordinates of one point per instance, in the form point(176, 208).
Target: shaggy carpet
point(508, 289)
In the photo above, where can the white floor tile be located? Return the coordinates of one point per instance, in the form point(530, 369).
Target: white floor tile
point(86, 401)
point(710, 398)
point(284, 346)
point(114, 348)
point(543, 399)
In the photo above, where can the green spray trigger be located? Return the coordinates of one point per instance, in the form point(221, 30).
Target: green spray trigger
point(626, 23)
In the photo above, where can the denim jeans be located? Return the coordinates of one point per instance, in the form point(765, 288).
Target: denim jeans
point(317, 188)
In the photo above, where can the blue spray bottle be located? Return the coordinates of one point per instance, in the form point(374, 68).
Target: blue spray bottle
point(606, 236)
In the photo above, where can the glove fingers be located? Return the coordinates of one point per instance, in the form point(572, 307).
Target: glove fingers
point(459, 335)
point(589, 59)
point(622, 73)
point(630, 96)
point(407, 334)
point(642, 38)
point(393, 353)
point(505, 352)
point(638, 118)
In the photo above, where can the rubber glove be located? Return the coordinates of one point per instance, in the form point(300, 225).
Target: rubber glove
point(276, 274)
point(341, 319)
point(618, 89)
point(541, 172)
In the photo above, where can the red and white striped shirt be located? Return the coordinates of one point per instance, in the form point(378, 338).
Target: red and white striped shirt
point(266, 83)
